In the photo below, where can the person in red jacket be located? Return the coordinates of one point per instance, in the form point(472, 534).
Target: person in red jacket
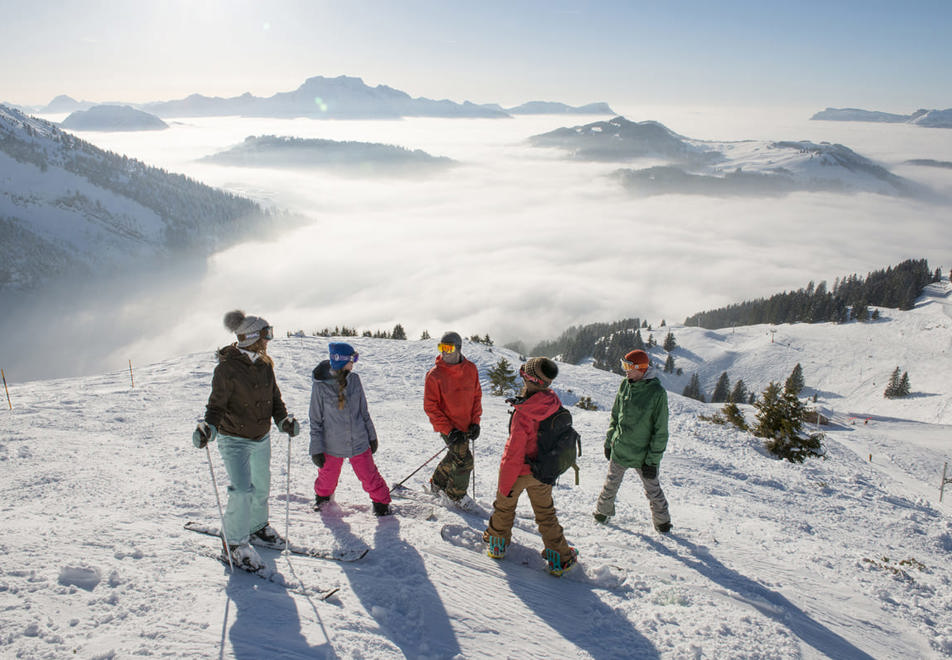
point(452, 399)
point(535, 403)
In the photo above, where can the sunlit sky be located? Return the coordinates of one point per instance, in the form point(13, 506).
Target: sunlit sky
point(873, 54)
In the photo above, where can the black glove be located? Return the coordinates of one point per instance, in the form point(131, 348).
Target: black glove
point(473, 431)
point(455, 436)
point(649, 471)
point(373, 446)
point(318, 459)
point(290, 426)
point(608, 453)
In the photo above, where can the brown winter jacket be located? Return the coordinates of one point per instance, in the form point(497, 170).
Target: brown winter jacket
point(245, 396)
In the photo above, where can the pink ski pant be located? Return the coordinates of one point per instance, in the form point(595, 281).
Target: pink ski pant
point(365, 469)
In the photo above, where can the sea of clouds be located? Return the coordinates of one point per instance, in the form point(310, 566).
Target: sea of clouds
point(514, 242)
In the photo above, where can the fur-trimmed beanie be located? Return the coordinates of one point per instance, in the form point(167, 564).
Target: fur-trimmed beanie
point(247, 328)
point(540, 371)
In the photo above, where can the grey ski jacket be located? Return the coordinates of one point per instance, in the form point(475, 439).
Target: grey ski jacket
point(339, 432)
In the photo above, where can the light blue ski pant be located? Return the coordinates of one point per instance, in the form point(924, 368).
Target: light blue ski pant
point(248, 463)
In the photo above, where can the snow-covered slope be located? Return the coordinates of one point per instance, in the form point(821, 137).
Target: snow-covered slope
point(846, 365)
point(842, 558)
point(68, 208)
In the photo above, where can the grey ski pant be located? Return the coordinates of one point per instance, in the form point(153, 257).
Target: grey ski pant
point(656, 499)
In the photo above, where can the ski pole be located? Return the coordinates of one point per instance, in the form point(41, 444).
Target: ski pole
point(287, 502)
point(474, 468)
point(221, 515)
point(419, 468)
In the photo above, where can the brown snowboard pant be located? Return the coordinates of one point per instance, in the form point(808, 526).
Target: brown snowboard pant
point(540, 497)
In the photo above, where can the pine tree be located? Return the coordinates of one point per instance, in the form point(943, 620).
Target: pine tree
point(669, 364)
point(693, 389)
point(586, 403)
point(733, 415)
point(780, 422)
point(669, 342)
point(904, 384)
point(739, 393)
point(425, 335)
point(502, 378)
point(639, 343)
point(721, 389)
point(398, 332)
point(892, 389)
point(651, 341)
point(795, 382)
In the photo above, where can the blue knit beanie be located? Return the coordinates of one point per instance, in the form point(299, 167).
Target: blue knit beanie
point(340, 354)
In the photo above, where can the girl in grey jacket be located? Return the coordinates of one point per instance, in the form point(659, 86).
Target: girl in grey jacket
point(341, 428)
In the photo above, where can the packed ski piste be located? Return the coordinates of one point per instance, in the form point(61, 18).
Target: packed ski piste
point(353, 497)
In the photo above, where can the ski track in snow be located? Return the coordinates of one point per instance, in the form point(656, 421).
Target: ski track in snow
point(842, 558)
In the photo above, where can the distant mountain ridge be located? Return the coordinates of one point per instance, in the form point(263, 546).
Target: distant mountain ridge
point(68, 208)
point(682, 165)
point(113, 118)
point(921, 117)
point(342, 97)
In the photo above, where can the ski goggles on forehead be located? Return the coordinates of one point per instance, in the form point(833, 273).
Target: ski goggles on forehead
point(267, 332)
point(337, 357)
point(447, 348)
point(628, 366)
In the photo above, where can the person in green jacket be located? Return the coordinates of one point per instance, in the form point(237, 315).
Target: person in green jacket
point(637, 437)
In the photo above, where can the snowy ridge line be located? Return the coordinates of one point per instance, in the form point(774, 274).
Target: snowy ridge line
point(601, 576)
point(336, 554)
point(273, 576)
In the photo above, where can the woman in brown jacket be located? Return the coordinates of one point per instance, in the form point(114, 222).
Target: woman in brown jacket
point(244, 399)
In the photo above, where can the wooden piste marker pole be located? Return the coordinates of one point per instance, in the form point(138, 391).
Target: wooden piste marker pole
point(131, 379)
point(5, 388)
point(945, 480)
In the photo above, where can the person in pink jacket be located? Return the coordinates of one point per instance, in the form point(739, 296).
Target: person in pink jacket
point(535, 403)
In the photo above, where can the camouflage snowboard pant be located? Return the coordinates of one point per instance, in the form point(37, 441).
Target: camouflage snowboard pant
point(452, 474)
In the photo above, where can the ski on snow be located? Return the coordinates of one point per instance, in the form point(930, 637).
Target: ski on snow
point(336, 554)
point(271, 575)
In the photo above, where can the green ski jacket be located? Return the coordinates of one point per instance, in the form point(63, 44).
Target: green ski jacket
point(638, 432)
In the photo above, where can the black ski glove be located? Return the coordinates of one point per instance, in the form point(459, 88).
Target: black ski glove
point(373, 446)
point(290, 426)
point(649, 471)
point(318, 459)
point(473, 431)
point(453, 437)
point(608, 453)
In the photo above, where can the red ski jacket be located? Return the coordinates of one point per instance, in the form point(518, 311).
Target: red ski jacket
point(452, 397)
point(523, 434)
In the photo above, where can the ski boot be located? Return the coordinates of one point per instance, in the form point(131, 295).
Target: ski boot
point(320, 501)
point(269, 536)
point(382, 509)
